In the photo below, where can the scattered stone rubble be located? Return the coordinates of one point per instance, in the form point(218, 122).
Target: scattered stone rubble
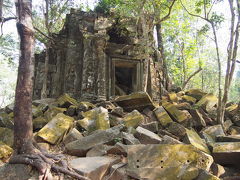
point(131, 137)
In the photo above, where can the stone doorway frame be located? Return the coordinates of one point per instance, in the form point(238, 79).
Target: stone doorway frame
point(114, 62)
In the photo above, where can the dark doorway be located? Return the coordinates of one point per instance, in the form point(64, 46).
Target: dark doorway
point(123, 80)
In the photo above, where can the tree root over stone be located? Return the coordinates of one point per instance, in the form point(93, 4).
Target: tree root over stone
point(44, 163)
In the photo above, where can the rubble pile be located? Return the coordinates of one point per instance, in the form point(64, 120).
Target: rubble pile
point(132, 137)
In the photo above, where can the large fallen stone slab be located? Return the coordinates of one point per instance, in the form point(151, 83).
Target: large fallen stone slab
point(94, 168)
point(80, 147)
point(133, 119)
point(207, 102)
point(189, 99)
point(166, 162)
point(54, 131)
point(162, 116)
point(147, 137)
point(95, 119)
point(152, 126)
point(6, 136)
point(177, 130)
point(138, 101)
point(178, 115)
point(226, 153)
point(193, 138)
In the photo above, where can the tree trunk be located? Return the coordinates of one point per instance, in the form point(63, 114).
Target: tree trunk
point(163, 58)
point(23, 131)
point(1, 10)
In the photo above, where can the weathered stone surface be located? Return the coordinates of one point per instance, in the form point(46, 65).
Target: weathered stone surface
point(217, 170)
point(44, 146)
point(173, 97)
point(117, 171)
point(5, 151)
point(72, 110)
point(81, 146)
point(65, 101)
point(162, 116)
point(54, 131)
point(98, 150)
point(6, 120)
point(73, 135)
point(129, 139)
point(204, 175)
point(170, 140)
point(6, 136)
point(234, 130)
point(207, 102)
point(93, 167)
point(115, 120)
point(199, 122)
point(233, 138)
point(193, 138)
point(53, 111)
point(177, 129)
point(152, 126)
point(189, 99)
point(15, 172)
point(166, 161)
point(85, 106)
point(39, 122)
point(118, 111)
point(133, 119)
point(178, 115)
point(9, 108)
point(196, 93)
point(138, 101)
point(226, 153)
point(214, 131)
point(95, 119)
point(147, 137)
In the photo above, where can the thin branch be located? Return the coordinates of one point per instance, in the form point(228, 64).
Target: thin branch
point(190, 77)
point(169, 12)
point(210, 8)
point(195, 15)
point(39, 31)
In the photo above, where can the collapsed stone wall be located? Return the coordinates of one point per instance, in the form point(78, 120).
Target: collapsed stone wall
point(92, 50)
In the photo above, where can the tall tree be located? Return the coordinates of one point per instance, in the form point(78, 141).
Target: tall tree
point(26, 150)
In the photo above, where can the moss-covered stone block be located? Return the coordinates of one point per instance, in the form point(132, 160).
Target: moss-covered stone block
point(54, 131)
point(5, 151)
point(189, 99)
point(162, 116)
point(193, 138)
point(178, 115)
point(133, 119)
point(94, 119)
point(65, 101)
point(165, 161)
point(207, 102)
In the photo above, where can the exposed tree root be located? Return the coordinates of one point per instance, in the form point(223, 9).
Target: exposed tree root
point(44, 163)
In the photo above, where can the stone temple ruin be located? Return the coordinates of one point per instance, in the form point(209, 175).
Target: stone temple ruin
point(100, 57)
